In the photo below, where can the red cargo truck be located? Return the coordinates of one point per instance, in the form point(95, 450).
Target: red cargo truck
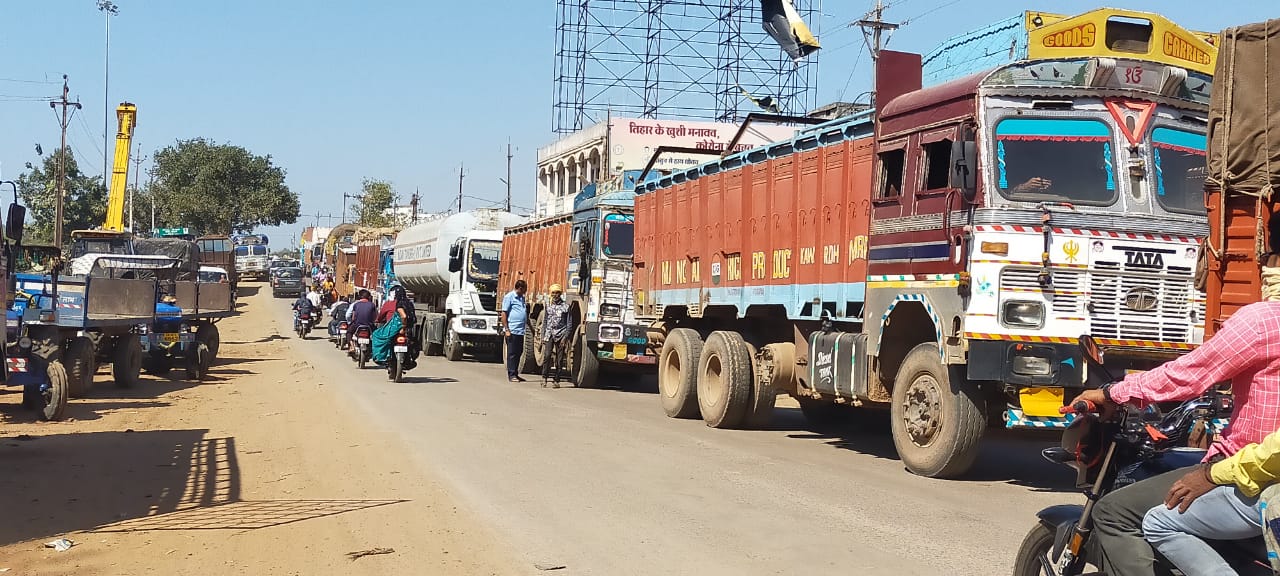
point(537, 253)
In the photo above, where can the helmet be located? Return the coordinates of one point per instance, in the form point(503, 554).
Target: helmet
point(555, 288)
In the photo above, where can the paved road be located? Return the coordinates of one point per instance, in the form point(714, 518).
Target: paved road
point(603, 483)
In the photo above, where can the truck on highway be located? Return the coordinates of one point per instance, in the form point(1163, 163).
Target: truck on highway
point(450, 266)
point(1242, 257)
point(251, 254)
point(374, 269)
point(589, 252)
point(938, 255)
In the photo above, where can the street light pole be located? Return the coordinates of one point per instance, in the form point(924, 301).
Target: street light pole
point(108, 9)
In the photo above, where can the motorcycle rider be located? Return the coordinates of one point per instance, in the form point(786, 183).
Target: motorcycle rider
point(1245, 351)
point(337, 314)
point(303, 305)
point(361, 313)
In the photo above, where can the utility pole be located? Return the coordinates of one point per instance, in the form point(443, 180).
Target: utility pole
point(62, 160)
point(137, 168)
point(461, 175)
point(151, 189)
point(413, 206)
point(508, 180)
point(873, 27)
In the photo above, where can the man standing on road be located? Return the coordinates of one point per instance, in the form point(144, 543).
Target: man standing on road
point(555, 329)
point(514, 317)
point(1245, 351)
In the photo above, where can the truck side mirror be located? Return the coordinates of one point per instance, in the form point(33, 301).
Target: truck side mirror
point(584, 248)
point(14, 222)
point(964, 168)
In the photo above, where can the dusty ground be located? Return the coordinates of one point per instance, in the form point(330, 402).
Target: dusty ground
point(259, 470)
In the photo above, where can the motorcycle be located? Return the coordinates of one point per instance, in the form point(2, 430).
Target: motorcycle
point(363, 349)
point(399, 360)
point(340, 335)
point(302, 324)
point(1108, 455)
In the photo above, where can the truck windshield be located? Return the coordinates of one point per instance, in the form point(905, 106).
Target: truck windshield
point(1055, 160)
point(619, 235)
point(483, 261)
point(251, 250)
point(1178, 157)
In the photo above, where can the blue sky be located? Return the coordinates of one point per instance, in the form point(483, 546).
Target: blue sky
point(396, 89)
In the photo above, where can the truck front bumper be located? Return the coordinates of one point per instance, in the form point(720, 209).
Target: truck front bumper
point(621, 343)
point(477, 331)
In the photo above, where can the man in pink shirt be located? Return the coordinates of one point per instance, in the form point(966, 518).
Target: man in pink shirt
point(1246, 351)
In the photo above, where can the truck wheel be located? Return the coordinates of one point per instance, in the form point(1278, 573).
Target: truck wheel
point(80, 367)
point(452, 348)
point(584, 364)
point(54, 399)
point(678, 373)
point(937, 421)
point(724, 380)
point(529, 358)
point(208, 333)
point(763, 398)
point(126, 362)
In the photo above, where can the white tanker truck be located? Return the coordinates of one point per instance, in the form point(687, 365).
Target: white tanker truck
point(450, 266)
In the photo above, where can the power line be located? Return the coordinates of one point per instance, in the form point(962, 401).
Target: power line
point(85, 128)
point(21, 81)
point(856, 60)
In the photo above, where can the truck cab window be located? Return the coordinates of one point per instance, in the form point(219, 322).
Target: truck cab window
point(937, 165)
point(892, 164)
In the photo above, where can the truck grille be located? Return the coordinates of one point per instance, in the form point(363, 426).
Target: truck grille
point(1165, 312)
point(489, 302)
point(1133, 304)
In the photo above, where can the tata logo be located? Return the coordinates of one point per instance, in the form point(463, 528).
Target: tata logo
point(1178, 47)
point(1082, 36)
point(1139, 259)
point(1141, 299)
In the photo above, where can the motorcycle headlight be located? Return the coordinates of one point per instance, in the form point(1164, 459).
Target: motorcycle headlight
point(1022, 314)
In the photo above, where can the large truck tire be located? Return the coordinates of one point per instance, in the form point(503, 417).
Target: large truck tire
point(54, 400)
point(529, 362)
point(208, 333)
point(452, 347)
point(126, 360)
point(763, 398)
point(937, 422)
point(80, 366)
point(678, 373)
point(724, 380)
point(584, 364)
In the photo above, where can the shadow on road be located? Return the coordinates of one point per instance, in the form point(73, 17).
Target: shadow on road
point(245, 291)
point(428, 380)
point(264, 339)
point(131, 481)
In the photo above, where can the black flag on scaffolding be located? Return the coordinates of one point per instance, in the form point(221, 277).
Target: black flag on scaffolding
point(781, 21)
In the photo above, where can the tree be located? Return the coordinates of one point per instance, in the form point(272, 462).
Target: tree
point(84, 204)
point(220, 189)
point(375, 204)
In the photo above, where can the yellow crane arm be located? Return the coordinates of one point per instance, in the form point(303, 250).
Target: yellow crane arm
point(127, 114)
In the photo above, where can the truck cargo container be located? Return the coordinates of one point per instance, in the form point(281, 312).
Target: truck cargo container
point(939, 255)
point(450, 266)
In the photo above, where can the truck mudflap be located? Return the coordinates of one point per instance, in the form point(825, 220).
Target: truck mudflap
point(1015, 418)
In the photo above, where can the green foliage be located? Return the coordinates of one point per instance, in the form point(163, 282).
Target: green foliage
point(84, 203)
point(376, 199)
point(219, 189)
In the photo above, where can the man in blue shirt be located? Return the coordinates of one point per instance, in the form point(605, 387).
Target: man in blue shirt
point(515, 315)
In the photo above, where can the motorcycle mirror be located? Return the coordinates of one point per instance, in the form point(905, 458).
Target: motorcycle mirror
point(1089, 348)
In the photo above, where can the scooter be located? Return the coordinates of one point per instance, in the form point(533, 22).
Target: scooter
point(363, 348)
point(1108, 455)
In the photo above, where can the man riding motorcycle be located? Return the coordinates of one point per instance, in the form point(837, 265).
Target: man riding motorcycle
point(1245, 351)
point(338, 314)
point(303, 305)
point(362, 312)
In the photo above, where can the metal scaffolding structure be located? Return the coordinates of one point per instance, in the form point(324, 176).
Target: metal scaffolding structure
point(674, 59)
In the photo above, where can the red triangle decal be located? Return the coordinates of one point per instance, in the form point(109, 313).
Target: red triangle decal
point(1145, 110)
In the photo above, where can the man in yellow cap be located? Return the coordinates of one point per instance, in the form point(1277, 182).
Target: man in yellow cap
point(555, 331)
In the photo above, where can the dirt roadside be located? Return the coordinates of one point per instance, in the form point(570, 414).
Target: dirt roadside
point(258, 470)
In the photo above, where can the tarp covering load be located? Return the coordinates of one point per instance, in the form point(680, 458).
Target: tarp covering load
point(1244, 112)
point(781, 21)
point(186, 253)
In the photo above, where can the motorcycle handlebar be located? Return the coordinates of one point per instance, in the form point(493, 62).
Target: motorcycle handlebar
point(1080, 407)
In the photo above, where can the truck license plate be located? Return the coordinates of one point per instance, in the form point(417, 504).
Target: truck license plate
point(401, 348)
point(619, 351)
point(170, 337)
point(1042, 402)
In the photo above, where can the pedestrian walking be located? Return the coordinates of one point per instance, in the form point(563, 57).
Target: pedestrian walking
point(514, 317)
point(555, 331)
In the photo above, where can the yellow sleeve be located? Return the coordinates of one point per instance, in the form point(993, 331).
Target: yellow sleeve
point(1253, 468)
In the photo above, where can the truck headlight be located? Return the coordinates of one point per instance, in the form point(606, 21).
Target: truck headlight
point(610, 333)
point(474, 323)
point(610, 310)
point(1022, 314)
